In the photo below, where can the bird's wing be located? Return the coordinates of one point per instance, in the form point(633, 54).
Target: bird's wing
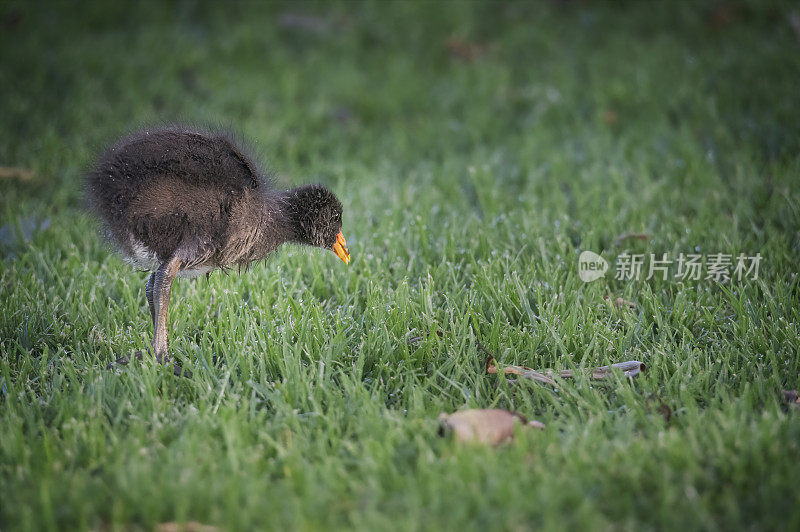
point(220, 162)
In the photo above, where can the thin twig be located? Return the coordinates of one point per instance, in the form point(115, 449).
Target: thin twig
point(524, 372)
point(629, 368)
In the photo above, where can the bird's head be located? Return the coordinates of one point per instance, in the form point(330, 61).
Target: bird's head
point(316, 214)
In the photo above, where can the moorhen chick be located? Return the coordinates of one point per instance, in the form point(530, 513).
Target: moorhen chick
point(179, 201)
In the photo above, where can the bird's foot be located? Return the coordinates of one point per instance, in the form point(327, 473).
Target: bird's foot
point(177, 370)
point(124, 360)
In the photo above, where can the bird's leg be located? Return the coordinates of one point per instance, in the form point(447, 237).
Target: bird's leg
point(162, 286)
point(148, 292)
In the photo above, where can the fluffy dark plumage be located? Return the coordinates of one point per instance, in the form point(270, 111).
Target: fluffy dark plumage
point(162, 190)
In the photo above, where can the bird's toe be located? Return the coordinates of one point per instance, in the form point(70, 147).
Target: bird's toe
point(125, 360)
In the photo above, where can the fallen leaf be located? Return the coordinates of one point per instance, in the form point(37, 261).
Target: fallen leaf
point(791, 398)
point(14, 172)
point(488, 426)
point(627, 236)
point(189, 526)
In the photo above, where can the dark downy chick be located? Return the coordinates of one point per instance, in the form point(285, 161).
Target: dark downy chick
point(182, 202)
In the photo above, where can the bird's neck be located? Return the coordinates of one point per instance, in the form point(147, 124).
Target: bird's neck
point(274, 215)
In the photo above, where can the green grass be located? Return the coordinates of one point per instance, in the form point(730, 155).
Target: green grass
point(469, 188)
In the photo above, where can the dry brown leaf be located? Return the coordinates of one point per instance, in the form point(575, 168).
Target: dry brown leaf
point(14, 172)
point(189, 526)
point(791, 398)
point(488, 426)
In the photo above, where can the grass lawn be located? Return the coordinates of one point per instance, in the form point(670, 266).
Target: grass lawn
point(477, 149)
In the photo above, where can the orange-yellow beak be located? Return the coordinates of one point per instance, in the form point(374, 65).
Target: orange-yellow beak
point(340, 248)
